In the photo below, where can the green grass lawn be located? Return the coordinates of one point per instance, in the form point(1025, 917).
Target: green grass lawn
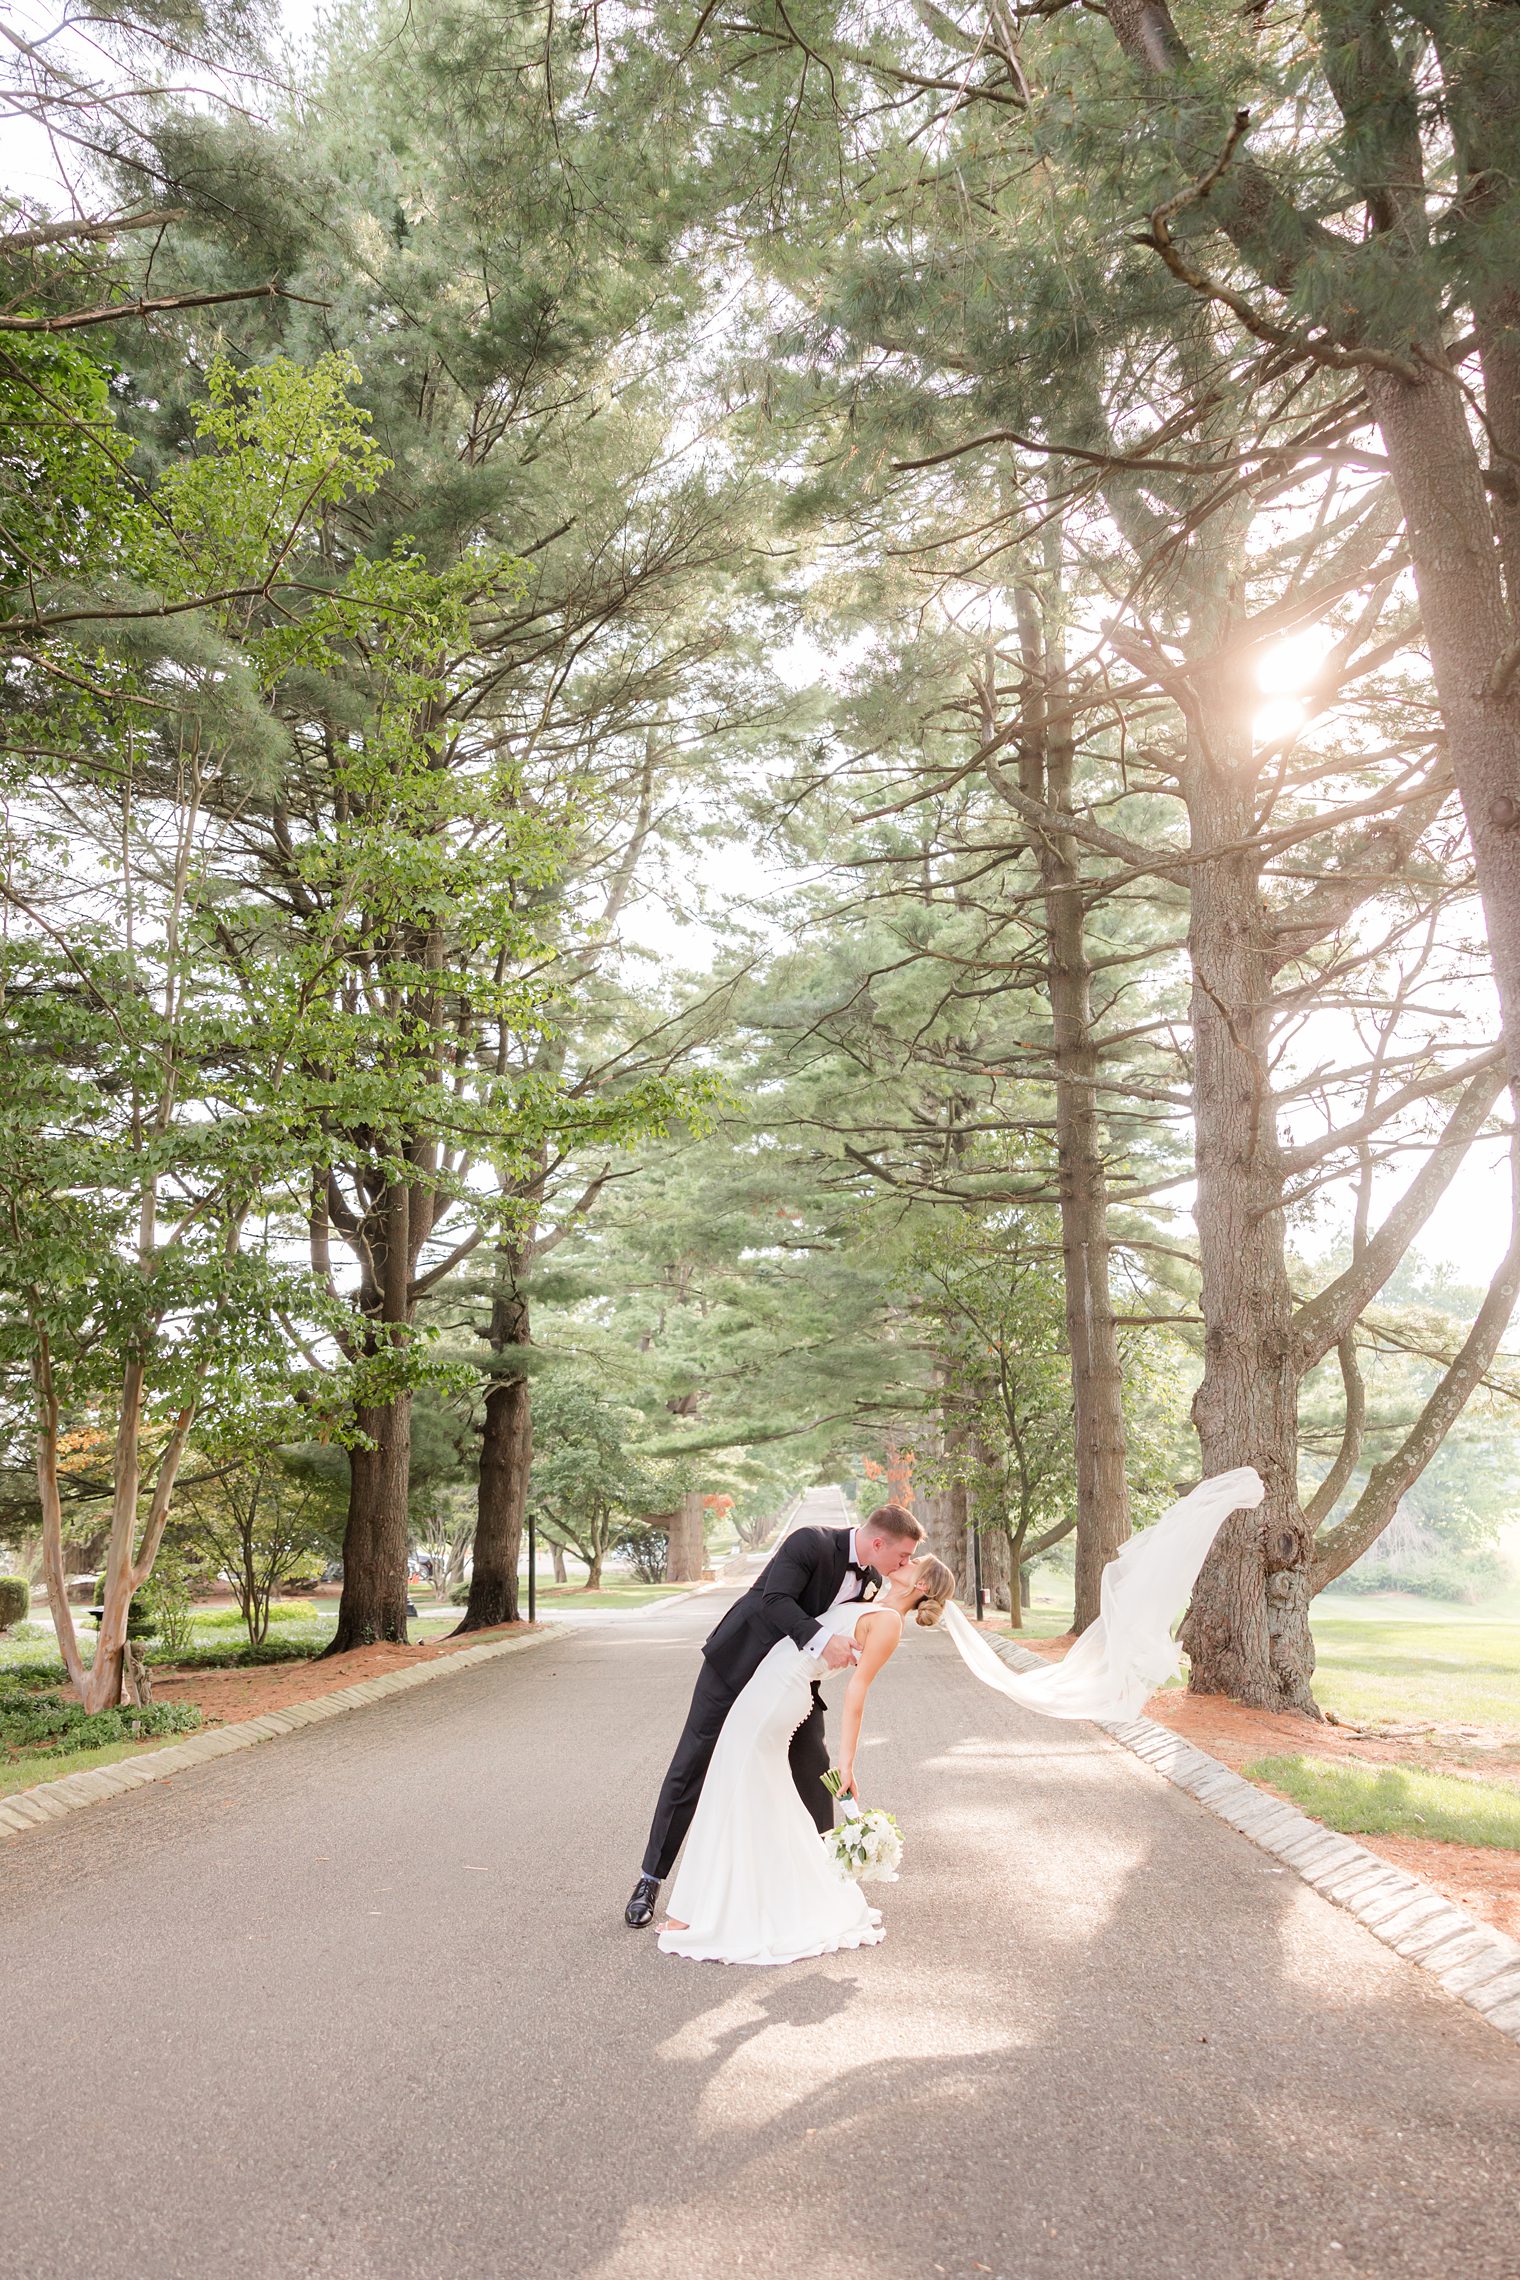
point(299, 1628)
point(1396, 1801)
point(51, 1765)
point(1382, 1662)
point(1050, 1615)
point(551, 1595)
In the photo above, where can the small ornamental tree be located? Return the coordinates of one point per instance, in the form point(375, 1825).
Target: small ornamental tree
point(587, 1479)
point(260, 1515)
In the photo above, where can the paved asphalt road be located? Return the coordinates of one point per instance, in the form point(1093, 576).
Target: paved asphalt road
point(360, 2004)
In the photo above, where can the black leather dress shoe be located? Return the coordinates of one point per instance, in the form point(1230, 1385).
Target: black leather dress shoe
point(640, 1909)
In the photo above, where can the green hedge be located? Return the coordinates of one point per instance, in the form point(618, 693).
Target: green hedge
point(15, 1600)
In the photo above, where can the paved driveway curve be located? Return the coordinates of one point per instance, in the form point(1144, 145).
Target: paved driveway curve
point(360, 2005)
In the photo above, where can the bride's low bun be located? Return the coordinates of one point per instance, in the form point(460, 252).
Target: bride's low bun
point(936, 1584)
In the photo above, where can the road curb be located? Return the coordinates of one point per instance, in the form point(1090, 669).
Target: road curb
point(1468, 1958)
point(53, 1800)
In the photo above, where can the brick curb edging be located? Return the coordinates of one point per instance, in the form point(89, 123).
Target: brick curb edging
point(52, 1800)
point(1470, 1959)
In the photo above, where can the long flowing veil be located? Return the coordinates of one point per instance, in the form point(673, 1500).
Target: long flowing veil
point(1122, 1658)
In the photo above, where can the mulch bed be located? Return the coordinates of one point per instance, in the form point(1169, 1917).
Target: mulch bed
point(225, 1696)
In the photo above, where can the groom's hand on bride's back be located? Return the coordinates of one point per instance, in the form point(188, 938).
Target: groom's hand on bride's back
point(838, 1652)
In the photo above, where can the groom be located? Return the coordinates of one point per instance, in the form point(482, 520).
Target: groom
point(811, 1571)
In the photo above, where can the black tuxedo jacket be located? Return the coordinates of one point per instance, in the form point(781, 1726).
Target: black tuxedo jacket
point(799, 1581)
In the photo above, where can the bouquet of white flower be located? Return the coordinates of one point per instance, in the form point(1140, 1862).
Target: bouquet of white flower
point(865, 1846)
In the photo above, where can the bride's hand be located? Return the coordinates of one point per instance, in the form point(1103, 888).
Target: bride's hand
point(847, 1776)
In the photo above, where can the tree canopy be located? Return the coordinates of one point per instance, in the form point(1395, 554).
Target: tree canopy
point(762, 745)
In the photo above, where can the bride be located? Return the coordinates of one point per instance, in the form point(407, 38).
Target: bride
point(755, 1883)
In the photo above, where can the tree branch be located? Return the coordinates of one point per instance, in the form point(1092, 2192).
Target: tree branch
point(76, 319)
point(1379, 1500)
point(1325, 1320)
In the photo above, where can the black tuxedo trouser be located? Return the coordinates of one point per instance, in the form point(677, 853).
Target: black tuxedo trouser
point(710, 1704)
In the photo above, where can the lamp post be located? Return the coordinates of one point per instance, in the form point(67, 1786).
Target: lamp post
point(974, 1562)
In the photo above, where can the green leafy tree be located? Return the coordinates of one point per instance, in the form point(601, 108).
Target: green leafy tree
point(259, 1516)
point(513, 281)
point(160, 1048)
point(588, 1475)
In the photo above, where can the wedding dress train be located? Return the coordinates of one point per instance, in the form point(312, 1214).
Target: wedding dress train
point(1120, 1660)
point(754, 1884)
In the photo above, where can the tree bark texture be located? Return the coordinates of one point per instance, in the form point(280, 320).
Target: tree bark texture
point(996, 1586)
point(944, 1534)
point(506, 1458)
point(685, 1553)
point(373, 1605)
point(1046, 771)
point(1471, 636)
point(1247, 1630)
point(960, 1527)
point(378, 1529)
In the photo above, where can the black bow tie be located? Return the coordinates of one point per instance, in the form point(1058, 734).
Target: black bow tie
point(867, 1575)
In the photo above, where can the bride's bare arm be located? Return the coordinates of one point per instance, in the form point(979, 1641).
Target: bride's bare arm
point(878, 1634)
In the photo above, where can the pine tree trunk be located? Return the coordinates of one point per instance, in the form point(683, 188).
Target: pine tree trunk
point(684, 1552)
point(1247, 1630)
point(373, 1605)
point(1470, 635)
point(1457, 541)
point(997, 1588)
point(506, 1458)
point(935, 1513)
point(1103, 1518)
point(959, 1527)
point(506, 1455)
point(1046, 770)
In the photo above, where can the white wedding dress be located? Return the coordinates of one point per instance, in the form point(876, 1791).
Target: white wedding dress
point(755, 1884)
point(1116, 1666)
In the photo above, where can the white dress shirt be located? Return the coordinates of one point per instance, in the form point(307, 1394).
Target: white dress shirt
point(853, 1587)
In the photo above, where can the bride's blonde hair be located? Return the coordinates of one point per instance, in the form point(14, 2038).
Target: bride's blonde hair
point(936, 1583)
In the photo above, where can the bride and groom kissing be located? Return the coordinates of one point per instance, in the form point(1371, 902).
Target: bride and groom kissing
point(745, 1788)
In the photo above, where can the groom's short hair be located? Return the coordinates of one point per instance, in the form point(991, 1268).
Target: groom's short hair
point(893, 1520)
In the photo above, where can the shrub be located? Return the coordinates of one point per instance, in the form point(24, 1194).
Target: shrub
point(39, 1719)
point(295, 1646)
point(644, 1547)
point(32, 1670)
point(15, 1600)
point(285, 1611)
point(142, 1617)
point(1444, 1572)
point(166, 1605)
